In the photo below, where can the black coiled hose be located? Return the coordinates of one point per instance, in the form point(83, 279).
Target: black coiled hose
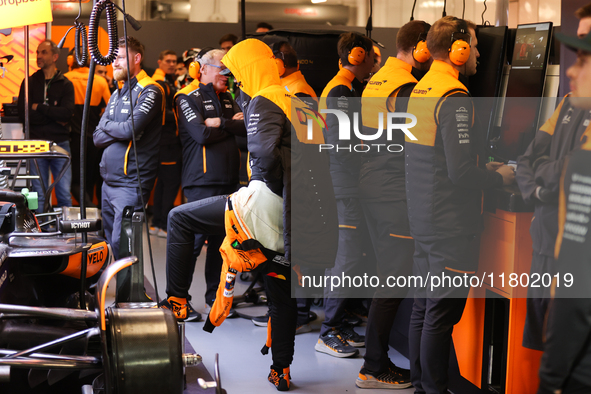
point(93, 28)
point(81, 48)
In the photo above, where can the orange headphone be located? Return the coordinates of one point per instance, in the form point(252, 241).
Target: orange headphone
point(356, 55)
point(195, 70)
point(280, 63)
point(459, 51)
point(195, 66)
point(420, 52)
point(284, 59)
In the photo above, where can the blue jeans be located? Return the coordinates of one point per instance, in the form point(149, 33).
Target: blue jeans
point(62, 188)
point(114, 200)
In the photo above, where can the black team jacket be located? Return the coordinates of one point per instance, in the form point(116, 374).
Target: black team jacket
point(114, 133)
point(210, 154)
point(541, 165)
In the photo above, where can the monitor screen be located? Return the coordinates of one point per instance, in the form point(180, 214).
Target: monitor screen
point(524, 89)
point(531, 46)
point(492, 46)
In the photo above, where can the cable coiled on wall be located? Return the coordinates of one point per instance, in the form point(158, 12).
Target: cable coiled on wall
point(93, 28)
point(81, 48)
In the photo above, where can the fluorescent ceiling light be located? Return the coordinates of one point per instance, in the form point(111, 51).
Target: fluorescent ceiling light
point(318, 1)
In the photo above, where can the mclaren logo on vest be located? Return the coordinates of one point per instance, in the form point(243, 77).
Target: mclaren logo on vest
point(421, 91)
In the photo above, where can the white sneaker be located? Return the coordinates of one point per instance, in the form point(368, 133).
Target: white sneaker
point(154, 230)
point(161, 233)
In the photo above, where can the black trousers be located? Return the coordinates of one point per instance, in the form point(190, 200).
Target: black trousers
point(93, 177)
point(304, 302)
point(168, 183)
point(387, 223)
point(538, 301)
point(207, 217)
point(436, 312)
point(213, 258)
point(284, 314)
point(347, 262)
point(571, 387)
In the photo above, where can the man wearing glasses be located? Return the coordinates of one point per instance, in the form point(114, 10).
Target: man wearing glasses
point(208, 119)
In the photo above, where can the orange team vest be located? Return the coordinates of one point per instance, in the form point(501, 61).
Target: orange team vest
point(343, 77)
point(296, 83)
point(440, 82)
point(385, 84)
point(158, 75)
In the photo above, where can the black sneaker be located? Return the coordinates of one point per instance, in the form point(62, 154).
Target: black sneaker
point(279, 377)
point(333, 344)
point(261, 321)
point(405, 373)
point(352, 319)
point(358, 311)
point(386, 380)
point(351, 336)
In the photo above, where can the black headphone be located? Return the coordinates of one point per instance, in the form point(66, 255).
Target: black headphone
point(284, 59)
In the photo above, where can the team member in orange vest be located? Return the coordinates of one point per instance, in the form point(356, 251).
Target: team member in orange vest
point(382, 191)
point(98, 101)
point(291, 77)
point(114, 133)
point(444, 191)
point(338, 338)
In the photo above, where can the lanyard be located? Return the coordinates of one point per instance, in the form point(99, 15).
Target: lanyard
point(46, 89)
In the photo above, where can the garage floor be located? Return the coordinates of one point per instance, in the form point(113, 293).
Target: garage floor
point(238, 341)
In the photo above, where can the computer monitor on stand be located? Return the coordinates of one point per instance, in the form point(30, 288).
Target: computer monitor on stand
point(525, 89)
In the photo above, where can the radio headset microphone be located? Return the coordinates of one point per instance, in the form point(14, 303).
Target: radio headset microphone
point(134, 23)
point(80, 40)
point(369, 26)
point(60, 45)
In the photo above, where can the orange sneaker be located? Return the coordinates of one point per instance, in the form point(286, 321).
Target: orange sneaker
point(181, 308)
